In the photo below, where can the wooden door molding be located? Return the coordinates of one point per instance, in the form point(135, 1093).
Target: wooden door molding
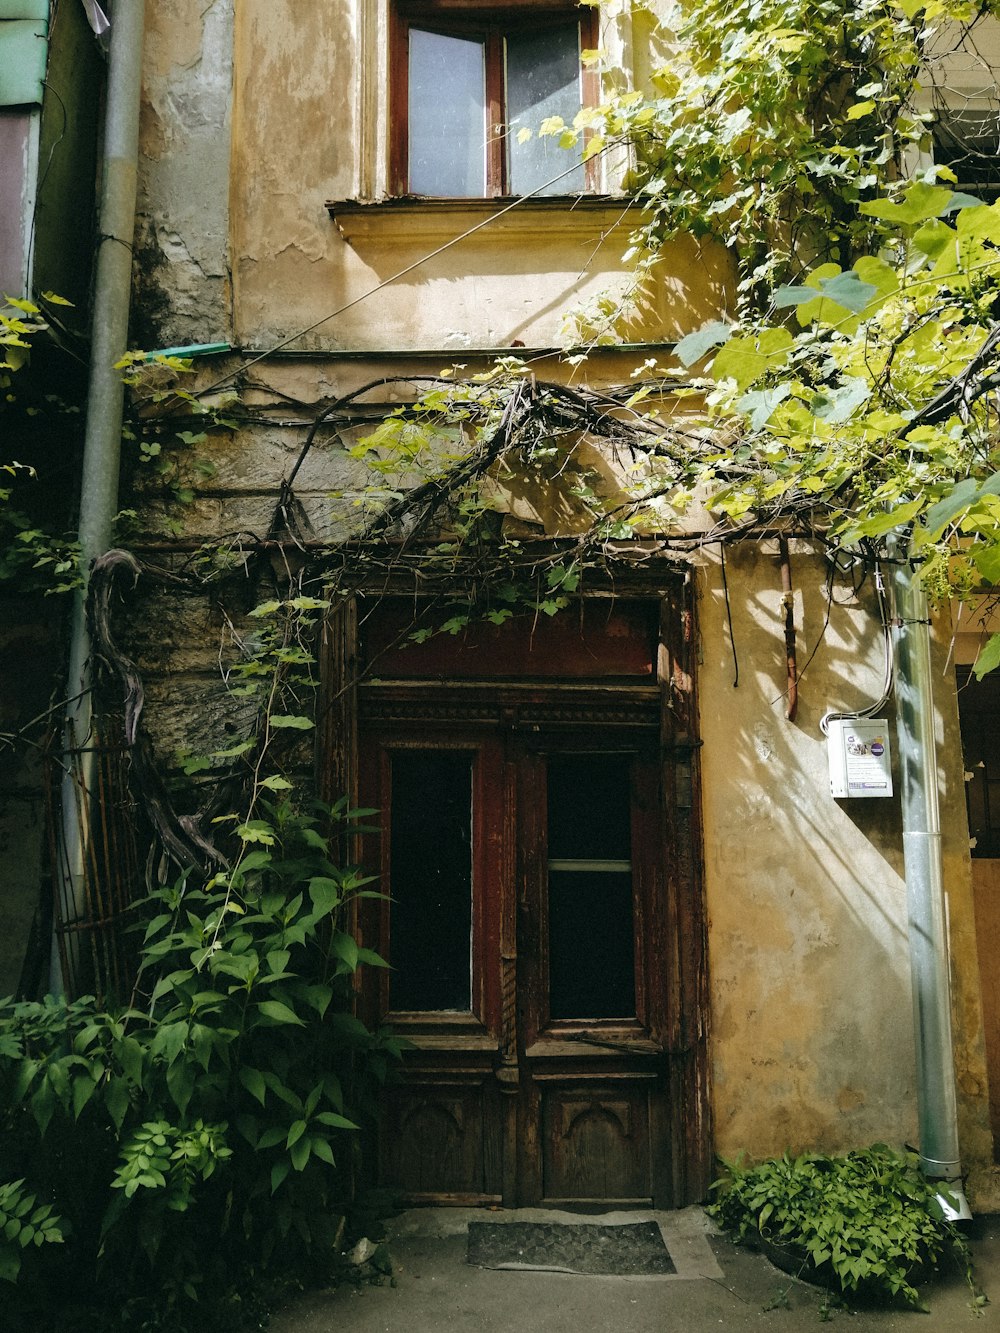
point(522, 1102)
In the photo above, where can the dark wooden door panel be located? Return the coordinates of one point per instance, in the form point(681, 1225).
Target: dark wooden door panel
point(434, 1142)
point(595, 1144)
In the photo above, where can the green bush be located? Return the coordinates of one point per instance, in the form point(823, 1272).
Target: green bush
point(205, 1134)
point(868, 1222)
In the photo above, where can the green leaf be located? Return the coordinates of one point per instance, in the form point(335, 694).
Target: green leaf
point(334, 1121)
point(988, 659)
point(318, 997)
point(279, 1013)
point(346, 948)
point(695, 345)
point(957, 501)
point(847, 290)
point(300, 1153)
point(253, 1081)
point(296, 1131)
point(322, 1149)
point(933, 238)
point(350, 1028)
point(878, 524)
point(84, 1087)
point(760, 403)
point(987, 561)
point(278, 1173)
point(130, 1054)
point(275, 783)
point(980, 223)
point(919, 202)
point(324, 894)
point(838, 405)
point(739, 360)
point(116, 1100)
point(180, 1084)
point(370, 957)
point(256, 860)
point(277, 960)
point(289, 722)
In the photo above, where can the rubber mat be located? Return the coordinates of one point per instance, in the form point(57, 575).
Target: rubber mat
point(634, 1249)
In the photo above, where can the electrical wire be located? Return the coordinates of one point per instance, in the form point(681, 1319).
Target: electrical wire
point(882, 601)
point(729, 616)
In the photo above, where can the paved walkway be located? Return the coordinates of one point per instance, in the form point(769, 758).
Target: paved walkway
point(716, 1285)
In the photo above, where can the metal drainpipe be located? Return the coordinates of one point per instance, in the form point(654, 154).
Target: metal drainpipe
point(102, 440)
point(928, 934)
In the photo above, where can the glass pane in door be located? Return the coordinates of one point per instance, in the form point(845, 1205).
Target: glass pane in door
point(430, 881)
point(591, 932)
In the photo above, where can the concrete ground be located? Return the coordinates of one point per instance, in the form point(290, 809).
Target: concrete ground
point(717, 1285)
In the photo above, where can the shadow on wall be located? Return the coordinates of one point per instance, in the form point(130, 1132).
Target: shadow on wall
point(810, 971)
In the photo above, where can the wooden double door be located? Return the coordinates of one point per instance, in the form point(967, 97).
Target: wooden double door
point(543, 924)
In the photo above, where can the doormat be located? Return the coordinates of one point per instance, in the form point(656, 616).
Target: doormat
point(635, 1249)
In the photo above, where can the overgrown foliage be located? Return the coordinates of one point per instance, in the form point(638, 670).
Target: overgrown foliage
point(868, 1223)
point(189, 1141)
point(767, 123)
point(37, 419)
point(206, 1133)
point(877, 415)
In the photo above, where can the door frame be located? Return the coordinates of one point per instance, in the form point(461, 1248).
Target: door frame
point(682, 1126)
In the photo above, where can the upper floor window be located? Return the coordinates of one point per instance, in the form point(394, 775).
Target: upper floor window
point(967, 139)
point(468, 78)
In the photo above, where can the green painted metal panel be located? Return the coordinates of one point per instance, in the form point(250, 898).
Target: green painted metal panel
point(23, 53)
point(24, 9)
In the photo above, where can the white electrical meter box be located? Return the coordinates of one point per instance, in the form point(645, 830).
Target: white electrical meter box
point(860, 763)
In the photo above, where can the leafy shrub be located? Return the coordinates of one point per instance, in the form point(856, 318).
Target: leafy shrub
point(206, 1132)
point(867, 1222)
point(23, 1221)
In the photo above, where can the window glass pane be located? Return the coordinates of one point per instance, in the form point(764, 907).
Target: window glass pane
point(430, 873)
point(543, 79)
point(591, 967)
point(589, 806)
point(447, 111)
point(967, 139)
point(591, 948)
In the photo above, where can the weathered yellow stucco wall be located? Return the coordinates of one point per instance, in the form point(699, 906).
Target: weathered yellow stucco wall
point(253, 119)
point(511, 283)
point(812, 1031)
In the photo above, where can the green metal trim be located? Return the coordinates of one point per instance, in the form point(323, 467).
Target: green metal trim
point(24, 50)
point(194, 349)
point(24, 9)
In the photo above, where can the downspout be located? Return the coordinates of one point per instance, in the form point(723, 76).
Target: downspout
point(937, 1107)
point(102, 439)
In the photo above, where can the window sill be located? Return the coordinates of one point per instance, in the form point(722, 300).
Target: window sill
point(412, 218)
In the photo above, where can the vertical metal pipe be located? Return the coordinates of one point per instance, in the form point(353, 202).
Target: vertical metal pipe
point(928, 935)
point(788, 605)
point(105, 401)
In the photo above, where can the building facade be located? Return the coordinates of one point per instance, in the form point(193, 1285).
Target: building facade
point(630, 928)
